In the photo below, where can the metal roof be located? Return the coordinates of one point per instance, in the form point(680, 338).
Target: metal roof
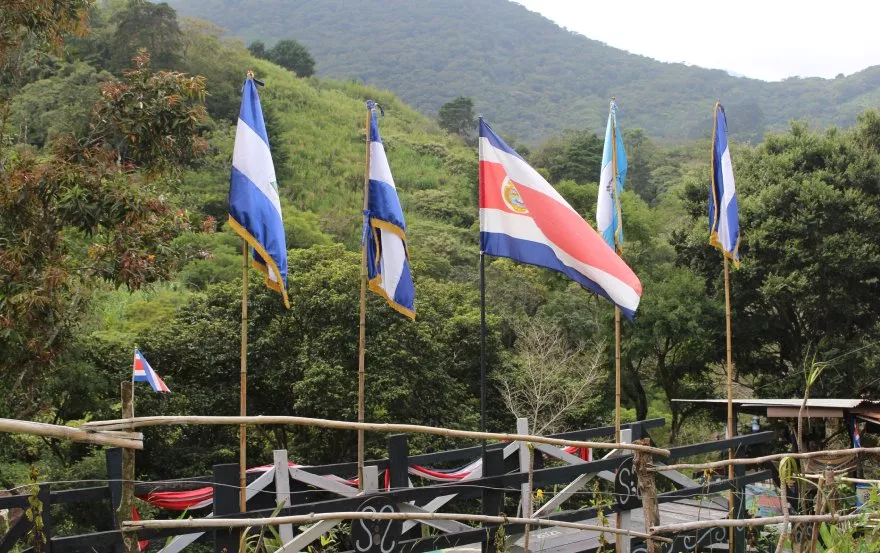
point(829, 403)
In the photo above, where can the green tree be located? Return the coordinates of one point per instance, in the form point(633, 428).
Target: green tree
point(576, 156)
point(292, 55)
point(674, 342)
point(303, 361)
point(457, 117)
point(77, 216)
point(809, 280)
point(257, 49)
point(143, 24)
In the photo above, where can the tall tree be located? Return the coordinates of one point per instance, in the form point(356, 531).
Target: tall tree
point(77, 215)
point(292, 55)
point(810, 278)
point(576, 155)
point(457, 117)
point(143, 24)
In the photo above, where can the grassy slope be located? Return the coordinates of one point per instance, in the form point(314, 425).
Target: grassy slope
point(529, 76)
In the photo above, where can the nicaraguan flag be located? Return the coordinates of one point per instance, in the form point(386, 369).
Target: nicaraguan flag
point(254, 206)
point(524, 218)
point(723, 207)
point(385, 240)
point(608, 213)
point(143, 372)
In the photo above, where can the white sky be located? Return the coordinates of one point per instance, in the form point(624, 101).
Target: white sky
point(767, 39)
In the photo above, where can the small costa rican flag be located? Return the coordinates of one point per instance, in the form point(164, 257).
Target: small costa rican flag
point(143, 372)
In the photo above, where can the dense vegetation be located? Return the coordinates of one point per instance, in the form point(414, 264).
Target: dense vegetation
point(528, 75)
point(114, 237)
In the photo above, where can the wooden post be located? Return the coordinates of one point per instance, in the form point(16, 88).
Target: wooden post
point(623, 544)
point(525, 465)
point(242, 429)
point(282, 490)
point(648, 491)
point(362, 330)
point(113, 458)
point(225, 503)
point(398, 461)
point(492, 501)
point(126, 502)
point(820, 491)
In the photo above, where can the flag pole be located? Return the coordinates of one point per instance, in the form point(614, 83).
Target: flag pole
point(483, 347)
point(242, 429)
point(362, 336)
point(731, 428)
point(619, 251)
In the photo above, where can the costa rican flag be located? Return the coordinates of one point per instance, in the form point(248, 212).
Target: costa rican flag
point(524, 218)
point(143, 372)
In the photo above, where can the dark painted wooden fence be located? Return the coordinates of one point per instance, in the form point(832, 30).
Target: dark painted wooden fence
point(490, 490)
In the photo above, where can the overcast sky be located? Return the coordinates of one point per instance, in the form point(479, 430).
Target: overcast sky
point(767, 39)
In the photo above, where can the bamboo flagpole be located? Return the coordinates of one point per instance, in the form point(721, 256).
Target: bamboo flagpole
point(616, 309)
point(619, 250)
point(731, 427)
point(362, 331)
point(242, 429)
point(724, 233)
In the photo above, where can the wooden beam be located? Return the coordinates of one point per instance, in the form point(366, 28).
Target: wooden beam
point(132, 525)
point(130, 440)
point(809, 412)
point(139, 422)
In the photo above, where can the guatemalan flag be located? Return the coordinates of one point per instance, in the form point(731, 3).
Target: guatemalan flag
point(143, 372)
point(608, 214)
point(254, 206)
point(524, 218)
point(723, 207)
point(385, 240)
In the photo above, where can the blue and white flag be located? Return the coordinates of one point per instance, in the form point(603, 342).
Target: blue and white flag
point(254, 206)
point(611, 179)
point(723, 207)
point(385, 231)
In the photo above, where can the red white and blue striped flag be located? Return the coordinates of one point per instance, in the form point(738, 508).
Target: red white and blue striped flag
point(143, 372)
point(524, 218)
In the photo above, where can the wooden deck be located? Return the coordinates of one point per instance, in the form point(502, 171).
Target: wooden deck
point(569, 540)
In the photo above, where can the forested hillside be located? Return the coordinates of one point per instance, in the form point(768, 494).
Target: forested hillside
point(531, 76)
point(114, 166)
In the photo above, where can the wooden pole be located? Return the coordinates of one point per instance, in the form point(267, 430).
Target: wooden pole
point(242, 429)
point(362, 330)
point(748, 522)
point(126, 502)
point(647, 491)
point(619, 250)
point(178, 420)
point(731, 424)
point(301, 520)
point(768, 458)
point(131, 440)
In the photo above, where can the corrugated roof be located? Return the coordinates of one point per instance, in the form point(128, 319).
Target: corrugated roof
point(829, 403)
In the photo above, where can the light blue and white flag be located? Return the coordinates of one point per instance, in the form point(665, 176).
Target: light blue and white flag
point(385, 231)
point(254, 206)
point(723, 206)
point(611, 179)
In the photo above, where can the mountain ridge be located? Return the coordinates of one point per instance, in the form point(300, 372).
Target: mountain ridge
point(532, 87)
